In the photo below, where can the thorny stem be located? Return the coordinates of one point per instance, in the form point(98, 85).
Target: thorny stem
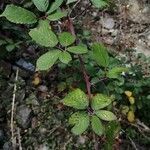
point(86, 77)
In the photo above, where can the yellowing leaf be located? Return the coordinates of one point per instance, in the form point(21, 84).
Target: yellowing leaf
point(131, 100)
point(128, 93)
point(36, 81)
point(131, 116)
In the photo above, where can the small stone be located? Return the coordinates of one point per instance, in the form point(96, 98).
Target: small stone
point(81, 139)
point(42, 88)
point(94, 14)
point(108, 23)
point(23, 116)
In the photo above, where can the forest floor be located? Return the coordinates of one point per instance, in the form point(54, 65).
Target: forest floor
point(40, 121)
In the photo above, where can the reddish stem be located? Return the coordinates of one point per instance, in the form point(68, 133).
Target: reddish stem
point(86, 77)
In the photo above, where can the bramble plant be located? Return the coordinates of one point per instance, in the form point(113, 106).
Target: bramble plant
point(66, 47)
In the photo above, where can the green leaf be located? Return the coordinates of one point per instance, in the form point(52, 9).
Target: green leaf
point(54, 6)
point(10, 47)
point(105, 115)
point(100, 101)
point(18, 15)
point(100, 54)
point(47, 60)
point(57, 15)
point(76, 99)
point(66, 38)
point(71, 1)
point(41, 5)
point(81, 121)
point(80, 49)
point(115, 72)
point(65, 57)
point(99, 3)
point(43, 34)
point(97, 126)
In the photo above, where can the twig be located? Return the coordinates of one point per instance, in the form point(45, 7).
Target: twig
point(12, 110)
point(86, 77)
point(19, 138)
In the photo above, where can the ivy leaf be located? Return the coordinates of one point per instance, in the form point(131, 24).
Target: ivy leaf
point(99, 3)
point(71, 1)
point(97, 126)
point(57, 15)
point(76, 99)
point(100, 54)
point(65, 57)
point(81, 121)
point(19, 15)
point(43, 34)
point(105, 115)
point(115, 72)
point(80, 49)
point(47, 60)
point(100, 101)
point(66, 38)
point(41, 5)
point(54, 6)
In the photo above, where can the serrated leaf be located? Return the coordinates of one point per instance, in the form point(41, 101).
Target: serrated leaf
point(65, 57)
point(81, 121)
point(71, 1)
point(43, 34)
point(100, 54)
point(47, 60)
point(97, 126)
point(115, 72)
point(99, 3)
point(57, 15)
point(76, 99)
point(41, 5)
point(105, 115)
point(80, 49)
point(66, 38)
point(19, 15)
point(54, 6)
point(100, 101)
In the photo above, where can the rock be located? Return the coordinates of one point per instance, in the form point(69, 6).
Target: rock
point(23, 116)
point(138, 11)
point(108, 23)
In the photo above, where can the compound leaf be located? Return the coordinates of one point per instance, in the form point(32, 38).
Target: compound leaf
point(43, 34)
point(76, 99)
point(19, 15)
point(80, 120)
point(100, 101)
point(47, 60)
